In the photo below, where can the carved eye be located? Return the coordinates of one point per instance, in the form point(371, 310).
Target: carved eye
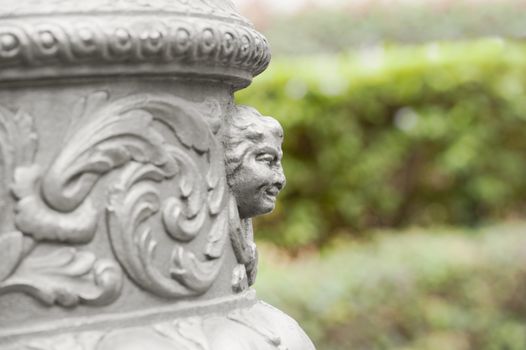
point(266, 158)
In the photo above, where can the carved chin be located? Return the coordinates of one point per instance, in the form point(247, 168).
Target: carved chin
point(264, 210)
point(267, 204)
point(263, 205)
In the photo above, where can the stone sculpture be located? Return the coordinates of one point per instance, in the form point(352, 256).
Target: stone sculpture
point(129, 178)
point(253, 155)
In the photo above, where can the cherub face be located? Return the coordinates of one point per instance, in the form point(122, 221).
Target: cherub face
point(255, 174)
point(259, 179)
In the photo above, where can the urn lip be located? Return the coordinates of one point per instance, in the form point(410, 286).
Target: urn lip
point(222, 8)
point(199, 39)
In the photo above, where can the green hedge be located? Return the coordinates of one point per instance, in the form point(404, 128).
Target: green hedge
point(427, 290)
point(396, 136)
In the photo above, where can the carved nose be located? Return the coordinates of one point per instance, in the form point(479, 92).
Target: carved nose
point(280, 180)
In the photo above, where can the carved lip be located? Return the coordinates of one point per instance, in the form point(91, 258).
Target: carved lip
point(272, 192)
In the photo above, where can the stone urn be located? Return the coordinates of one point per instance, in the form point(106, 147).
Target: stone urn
point(129, 178)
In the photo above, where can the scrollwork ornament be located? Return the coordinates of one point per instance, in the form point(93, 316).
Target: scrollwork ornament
point(124, 137)
point(66, 277)
point(134, 200)
point(11, 251)
point(18, 144)
point(122, 140)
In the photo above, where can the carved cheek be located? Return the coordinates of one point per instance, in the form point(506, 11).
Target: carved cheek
point(265, 174)
point(248, 179)
point(254, 170)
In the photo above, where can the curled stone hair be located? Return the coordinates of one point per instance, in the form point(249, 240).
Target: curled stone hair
point(246, 127)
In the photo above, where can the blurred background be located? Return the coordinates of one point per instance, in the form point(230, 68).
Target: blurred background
point(402, 225)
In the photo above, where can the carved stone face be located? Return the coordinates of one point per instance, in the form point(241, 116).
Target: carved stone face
point(253, 158)
point(259, 179)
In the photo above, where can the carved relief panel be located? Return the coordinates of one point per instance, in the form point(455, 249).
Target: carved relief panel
point(121, 137)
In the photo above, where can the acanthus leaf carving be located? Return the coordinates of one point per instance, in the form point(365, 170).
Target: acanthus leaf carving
point(133, 201)
point(18, 144)
point(113, 136)
point(66, 277)
point(183, 229)
point(145, 161)
point(124, 137)
point(11, 251)
point(216, 187)
point(192, 272)
point(183, 217)
point(217, 238)
point(37, 220)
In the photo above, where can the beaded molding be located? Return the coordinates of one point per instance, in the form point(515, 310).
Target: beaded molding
point(82, 45)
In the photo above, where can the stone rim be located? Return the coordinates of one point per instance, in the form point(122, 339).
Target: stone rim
point(105, 45)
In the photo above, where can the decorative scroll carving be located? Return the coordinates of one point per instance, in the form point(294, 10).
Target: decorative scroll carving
point(57, 209)
point(66, 277)
point(127, 137)
point(18, 143)
point(134, 199)
point(38, 220)
point(11, 251)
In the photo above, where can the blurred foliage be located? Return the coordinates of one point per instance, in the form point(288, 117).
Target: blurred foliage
point(426, 290)
point(325, 30)
point(396, 136)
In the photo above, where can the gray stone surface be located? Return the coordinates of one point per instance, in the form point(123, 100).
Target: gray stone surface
point(129, 178)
